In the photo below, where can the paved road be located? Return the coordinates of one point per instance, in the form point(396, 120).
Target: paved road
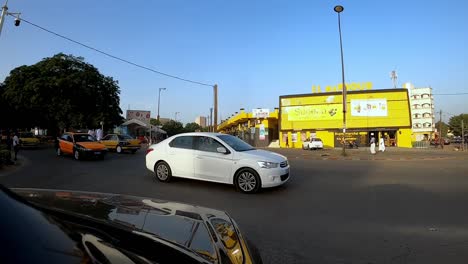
point(332, 211)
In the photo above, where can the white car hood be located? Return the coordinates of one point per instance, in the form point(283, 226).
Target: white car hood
point(261, 155)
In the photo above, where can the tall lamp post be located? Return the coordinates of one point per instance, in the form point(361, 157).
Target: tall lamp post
point(338, 9)
point(159, 100)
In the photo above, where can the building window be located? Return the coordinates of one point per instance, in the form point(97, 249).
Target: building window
point(417, 115)
point(427, 125)
point(427, 115)
point(426, 105)
point(416, 106)
point(416, 96)
point(425, 96)
point(417, 125)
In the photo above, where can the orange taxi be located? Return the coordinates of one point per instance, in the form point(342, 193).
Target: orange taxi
point(80, 145)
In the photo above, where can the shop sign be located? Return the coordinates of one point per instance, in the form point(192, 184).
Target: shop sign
point(358, 137)
point(369, 107)
point(339, 87)
point(294, 137)
point(140, 115)
point(314, 112)
point(261, 113)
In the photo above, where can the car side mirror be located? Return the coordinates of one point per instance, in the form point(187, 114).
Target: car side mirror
point(222, 150)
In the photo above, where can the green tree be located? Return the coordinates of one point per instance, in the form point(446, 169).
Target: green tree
point(173, 127)
point(192, 127)
point(59, 92)
point(445, 128)
point(455, 123)
point(155, 122)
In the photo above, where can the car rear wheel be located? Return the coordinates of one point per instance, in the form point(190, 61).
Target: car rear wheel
point(118, 149)
point(162, 171)
point(76, 154)
point(247, 181)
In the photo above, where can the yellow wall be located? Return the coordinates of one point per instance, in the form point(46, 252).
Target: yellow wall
point(325, 111)
point(327, 138)
point(404, 138)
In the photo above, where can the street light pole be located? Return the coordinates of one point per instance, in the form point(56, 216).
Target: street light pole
point(338, 9)
point(2, 17)
point(159, 100)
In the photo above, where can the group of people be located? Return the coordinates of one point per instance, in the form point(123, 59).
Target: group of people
point(13, 143)
point(381, 145)
point(98, 133)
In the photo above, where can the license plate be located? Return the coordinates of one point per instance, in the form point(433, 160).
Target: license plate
point(97, 153)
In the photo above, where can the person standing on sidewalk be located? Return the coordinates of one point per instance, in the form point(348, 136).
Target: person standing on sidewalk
point(16, 145)
point(381, 144)
point(372, 145)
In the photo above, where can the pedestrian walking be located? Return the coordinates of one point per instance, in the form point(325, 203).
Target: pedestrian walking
point(99, 134)
point(381, 144)
point(16, 145)
point(372, 145)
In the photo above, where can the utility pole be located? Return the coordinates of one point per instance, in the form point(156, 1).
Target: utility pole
point(5, 13)
point(2, 17)
point(463, 134)
point(215, 121)
point(440, 129)
point(211, 119)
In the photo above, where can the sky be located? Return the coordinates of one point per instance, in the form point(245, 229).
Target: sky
point(254, 51)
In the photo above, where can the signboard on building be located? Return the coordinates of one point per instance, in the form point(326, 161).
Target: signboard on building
point(260, 113)
point(369, 107)
point(314, 112)
point(262, 132)
point(339, 87)
point(140, 115)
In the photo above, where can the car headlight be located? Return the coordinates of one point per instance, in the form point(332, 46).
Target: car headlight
point(267, 164)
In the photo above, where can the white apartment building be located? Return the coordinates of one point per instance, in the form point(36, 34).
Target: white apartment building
point(422, 112)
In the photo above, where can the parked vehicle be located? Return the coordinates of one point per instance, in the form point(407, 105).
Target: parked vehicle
point(313, 143)
point(217, 158)
point(80, 145)
point(121, 143)
point(55, 226)
point(27, 139)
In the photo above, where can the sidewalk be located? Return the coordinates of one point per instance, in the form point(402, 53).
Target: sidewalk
point(364, 154)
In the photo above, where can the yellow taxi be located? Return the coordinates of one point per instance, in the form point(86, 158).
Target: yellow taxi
point(80, 145)
point(27, 139)
point(121, 143)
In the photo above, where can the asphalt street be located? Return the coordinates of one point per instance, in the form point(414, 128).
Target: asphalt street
point(331, 211)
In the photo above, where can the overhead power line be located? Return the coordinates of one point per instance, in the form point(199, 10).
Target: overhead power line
point(452, 94)
point(115, 57)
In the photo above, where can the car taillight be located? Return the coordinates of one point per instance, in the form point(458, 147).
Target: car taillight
point(149, 150)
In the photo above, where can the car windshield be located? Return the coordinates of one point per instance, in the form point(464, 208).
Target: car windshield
point(316, 139)
point(236, 143)
point(83, 138)
point(26, 135)
point(124, 137)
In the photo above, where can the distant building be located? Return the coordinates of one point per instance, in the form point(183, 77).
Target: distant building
point(422, 112)
point(201, 121)
point(164, 120)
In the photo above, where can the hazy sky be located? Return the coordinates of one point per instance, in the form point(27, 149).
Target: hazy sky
point(254, 50)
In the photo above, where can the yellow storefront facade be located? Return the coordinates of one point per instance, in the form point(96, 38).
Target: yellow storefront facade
point(257, 128)
point(381, 113)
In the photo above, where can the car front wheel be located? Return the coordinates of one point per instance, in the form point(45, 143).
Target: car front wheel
point(76, 154)
point(247, 181)
point(118, 149)
point(162, 171)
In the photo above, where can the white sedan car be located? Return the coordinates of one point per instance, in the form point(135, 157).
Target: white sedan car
point(217, 158)
point(313, 143)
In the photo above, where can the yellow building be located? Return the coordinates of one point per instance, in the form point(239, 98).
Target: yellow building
point(370, 113)
point(257, 128)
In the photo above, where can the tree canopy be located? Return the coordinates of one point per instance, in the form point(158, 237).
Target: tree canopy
point(192, 127)
point(173, 127)
point(59, 92)
point(455, 123)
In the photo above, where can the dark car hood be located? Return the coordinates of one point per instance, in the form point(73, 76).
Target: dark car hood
point(168, 220)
